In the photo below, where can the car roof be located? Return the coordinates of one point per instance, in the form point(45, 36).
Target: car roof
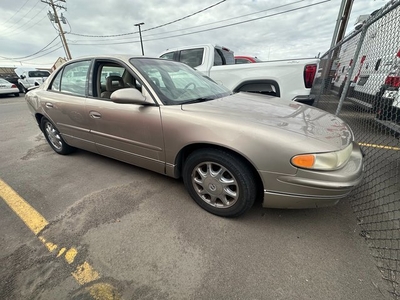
point(125, 57)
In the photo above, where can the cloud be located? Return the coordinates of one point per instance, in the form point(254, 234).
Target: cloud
point(296, 34)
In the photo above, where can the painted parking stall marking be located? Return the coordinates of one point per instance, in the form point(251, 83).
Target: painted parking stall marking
point(380, 146)
point(84, 273)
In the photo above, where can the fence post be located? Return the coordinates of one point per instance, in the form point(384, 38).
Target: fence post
point(347, 83)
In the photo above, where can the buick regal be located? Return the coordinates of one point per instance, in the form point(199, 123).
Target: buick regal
point(229, 149)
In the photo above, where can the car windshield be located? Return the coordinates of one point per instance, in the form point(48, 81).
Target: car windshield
point(177, 83)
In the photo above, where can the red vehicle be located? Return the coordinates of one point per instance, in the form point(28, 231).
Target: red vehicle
point(242, 59)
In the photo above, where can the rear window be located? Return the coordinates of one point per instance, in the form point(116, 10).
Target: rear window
point(228, 56)
point(169, 55)
point(192, 57)
point(38, 74)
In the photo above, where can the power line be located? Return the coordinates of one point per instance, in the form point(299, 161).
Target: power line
point(16, 23)
point(188, 16)
point(209, 29)
point(220, 21)
point(211, 23)
point(44, 53)
point(27, 22)
point(242, 22)
point(47, 51)
point(130, 33)
point(23, 5)
point(41, 50)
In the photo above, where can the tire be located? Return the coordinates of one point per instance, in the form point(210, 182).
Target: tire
point(20, 87)
point(229, 192)
point(54, 138)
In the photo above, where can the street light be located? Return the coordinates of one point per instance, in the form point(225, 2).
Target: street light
point(140, 34)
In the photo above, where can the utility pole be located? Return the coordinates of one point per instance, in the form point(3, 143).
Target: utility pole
point(140, 34)
point(56, 19)
point(340, 28)
point(341, 22)
point(345, 20)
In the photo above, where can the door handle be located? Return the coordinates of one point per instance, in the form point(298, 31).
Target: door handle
point(95, 115)
point(49, 105)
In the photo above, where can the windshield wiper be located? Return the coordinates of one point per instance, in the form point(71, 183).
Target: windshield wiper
point(197, 100)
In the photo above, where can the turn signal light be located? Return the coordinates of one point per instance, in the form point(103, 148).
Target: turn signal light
point(304, 160)
point(323, 161)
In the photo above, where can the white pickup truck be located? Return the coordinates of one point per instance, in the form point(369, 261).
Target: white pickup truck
point(288, 79)
point(29, 77)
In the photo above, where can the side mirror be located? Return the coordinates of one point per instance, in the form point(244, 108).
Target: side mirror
point(22, 76)
point(129, 96)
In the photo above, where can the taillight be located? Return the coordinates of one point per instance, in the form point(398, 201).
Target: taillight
point(393, 80)
point(13, 86)
point(309, 75)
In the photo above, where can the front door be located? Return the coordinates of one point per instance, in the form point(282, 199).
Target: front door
point(127, 132)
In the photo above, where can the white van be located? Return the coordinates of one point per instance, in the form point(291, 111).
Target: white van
point(376, 59)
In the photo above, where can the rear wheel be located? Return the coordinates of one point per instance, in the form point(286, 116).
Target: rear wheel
point(54, 138)
point(219, 182)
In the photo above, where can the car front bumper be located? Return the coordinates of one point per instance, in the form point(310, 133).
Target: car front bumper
point(310, 189)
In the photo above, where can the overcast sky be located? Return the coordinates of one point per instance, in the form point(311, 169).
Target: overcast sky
point(282, 30)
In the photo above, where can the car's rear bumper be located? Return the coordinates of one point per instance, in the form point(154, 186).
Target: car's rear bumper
point(6, 91)
point(310, 189)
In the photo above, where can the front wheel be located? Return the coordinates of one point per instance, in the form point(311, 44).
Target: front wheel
point(54, 138)
point(219, 182)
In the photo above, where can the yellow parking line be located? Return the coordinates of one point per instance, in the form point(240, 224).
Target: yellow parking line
point(379, 146)
point(84, 273)
point(30, 216)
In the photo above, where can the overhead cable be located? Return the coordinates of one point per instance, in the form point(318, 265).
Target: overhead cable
point(211, 23)
point(130, 33)
point(17, 23)
point(22, 57)
point(209, 29)
point(23, 5)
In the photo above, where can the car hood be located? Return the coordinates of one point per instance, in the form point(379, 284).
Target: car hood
point(277, 114)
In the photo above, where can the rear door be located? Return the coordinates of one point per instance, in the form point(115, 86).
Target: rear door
point(64, 104)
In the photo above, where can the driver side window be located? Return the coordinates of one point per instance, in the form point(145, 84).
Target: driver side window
point(110, 77)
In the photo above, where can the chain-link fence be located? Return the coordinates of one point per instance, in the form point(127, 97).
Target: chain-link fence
point(360, 79)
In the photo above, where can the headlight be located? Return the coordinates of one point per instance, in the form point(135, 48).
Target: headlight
point(323, 161)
